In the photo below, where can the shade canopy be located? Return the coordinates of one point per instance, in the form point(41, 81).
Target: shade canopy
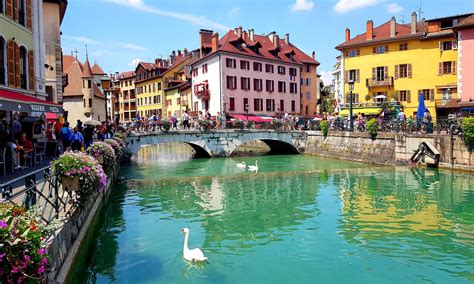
point(421, 107)
point(92, 122)
point(13, 101)
point(253, 118)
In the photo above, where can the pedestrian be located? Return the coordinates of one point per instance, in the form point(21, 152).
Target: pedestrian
point(77, 140)
point(65, 135)
point(186, 120)
point(88, 136)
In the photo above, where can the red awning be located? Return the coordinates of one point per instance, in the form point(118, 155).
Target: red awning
point(14, 101)
point(253, 118)
point(51, 116)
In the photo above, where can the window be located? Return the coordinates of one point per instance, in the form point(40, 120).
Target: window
point(447, 67)
point(448, 45)
point(204, 68)
point(380, 49)
point(231, 82)
point(195, 72)
point(257, 66)
point(245, 83)
point(270, 87)
point(308, 68)
point(244, 65)
point(447, 24)
point(230, 63)
point(2, 7)
point(3, 59)
point(270, 105)
point(428, 94)
point(159, 86)
point(281, 87)
point(403, 46)
point(24, 67)
point(231, 104)
point(246, 104)
point(402, 96)
point(257, 84)
point(22, 12)
point(403, 68)
point(282, 105)
point(353, 75)
point(281, 70)
point(292, 71)
point(146, 100)
point(269, 68)
point(84, 102)
point(293, 106)
point(293, 88)
point(90, 102)
point(380, 73)
point(258, 104)
point(354, 53)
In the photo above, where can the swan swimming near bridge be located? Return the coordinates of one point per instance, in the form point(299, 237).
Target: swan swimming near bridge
point(193, 255)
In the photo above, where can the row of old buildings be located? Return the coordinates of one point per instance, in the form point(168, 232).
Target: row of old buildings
point(241, 73)
point(31, 76)
point(399, 62)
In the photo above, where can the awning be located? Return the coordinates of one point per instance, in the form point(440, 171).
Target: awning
point(13, 101)
point(253, 118)
point(468, 109)
point(364, 111)
point(51, 116)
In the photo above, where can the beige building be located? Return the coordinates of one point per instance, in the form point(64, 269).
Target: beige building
point(83, 95)
point(127, 98)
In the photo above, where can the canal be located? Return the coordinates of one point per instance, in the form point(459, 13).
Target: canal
point(300, 219)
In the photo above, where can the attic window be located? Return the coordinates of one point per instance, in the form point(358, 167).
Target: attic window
point(447, 24)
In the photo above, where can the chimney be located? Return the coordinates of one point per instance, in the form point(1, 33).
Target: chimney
point(179, 53)
point(251, 33)
point(348, 34)
point(215, 42)
point(393, 26)
point(276, 41)
point(185, 51)
point(370, 30)
point(238, 31)
point(172, 56)
point(158, 61)
point(206, 40)
point(287, 39)
point(314, 55)
point(413, 23)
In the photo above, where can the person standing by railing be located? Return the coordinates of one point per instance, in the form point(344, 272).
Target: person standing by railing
point(65, 135)
point(77, 140)
point(186, 120)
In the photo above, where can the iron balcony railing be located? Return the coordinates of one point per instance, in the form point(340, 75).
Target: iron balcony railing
point(385, 82)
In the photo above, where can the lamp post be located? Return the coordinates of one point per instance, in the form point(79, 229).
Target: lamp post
point(106, 114)
point(351, 118)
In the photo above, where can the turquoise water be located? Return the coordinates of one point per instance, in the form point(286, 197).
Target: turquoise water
point(300, 219)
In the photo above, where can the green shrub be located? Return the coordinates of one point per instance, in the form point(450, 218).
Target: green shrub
point(372, 128)
point(324, 127)
point(467, 125)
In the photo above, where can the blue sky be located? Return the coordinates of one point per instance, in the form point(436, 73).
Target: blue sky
point(119, 33)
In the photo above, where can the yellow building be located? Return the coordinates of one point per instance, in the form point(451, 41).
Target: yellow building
point(149, 88)
point(173, 79)
point(397, 62)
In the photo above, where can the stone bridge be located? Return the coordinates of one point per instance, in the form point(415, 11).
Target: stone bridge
point(221, 143)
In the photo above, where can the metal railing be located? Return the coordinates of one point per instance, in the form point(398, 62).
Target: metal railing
point(40, 188)
point(388, 81)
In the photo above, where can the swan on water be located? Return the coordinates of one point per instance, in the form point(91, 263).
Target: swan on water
point(241, 166)
point(194, 255)
point(254, 168)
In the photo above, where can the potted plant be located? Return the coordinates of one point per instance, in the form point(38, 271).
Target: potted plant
point(23, 253)
point(324, 128)
point(250, 124)
point(372, 128)
point(467, 126)
point(104, 154)
point(116, 146)
point(79, 172)
point(165, 125)
point(238, 124)
point(277, 123)
point(205, 124)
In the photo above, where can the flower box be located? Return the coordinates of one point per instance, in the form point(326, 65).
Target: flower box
point(70, 183)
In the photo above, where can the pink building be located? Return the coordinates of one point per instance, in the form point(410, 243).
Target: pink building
point(465, 32)
point(247, 73)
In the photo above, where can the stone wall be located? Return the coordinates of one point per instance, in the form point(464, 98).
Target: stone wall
point(352, 146)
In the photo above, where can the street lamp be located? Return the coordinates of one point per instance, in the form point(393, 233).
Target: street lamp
point(351, 118)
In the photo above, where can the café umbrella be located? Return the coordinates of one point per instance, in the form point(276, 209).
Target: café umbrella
point(92, 122)
point(421, 107)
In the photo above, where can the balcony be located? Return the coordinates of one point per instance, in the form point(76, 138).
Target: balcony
point(386, 82)
point(447, 103)
point(202, 91)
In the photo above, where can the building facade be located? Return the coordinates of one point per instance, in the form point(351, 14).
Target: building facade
point(389, 63)
point(465, 35)
point(83, 96)
point(247, 73)
point(149, 88)
point(127, 98)
point(173, 79)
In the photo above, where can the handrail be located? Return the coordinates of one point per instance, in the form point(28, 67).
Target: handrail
point(24, 176)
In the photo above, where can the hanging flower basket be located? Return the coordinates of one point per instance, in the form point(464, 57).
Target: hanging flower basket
point(70, 183)
point(104, 154)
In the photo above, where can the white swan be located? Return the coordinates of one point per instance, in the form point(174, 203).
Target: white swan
point(254, 168)
point(194, 255)
point(241, 166)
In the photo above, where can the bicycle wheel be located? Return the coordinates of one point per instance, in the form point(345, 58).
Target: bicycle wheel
point(423, 128)
point(409, 129)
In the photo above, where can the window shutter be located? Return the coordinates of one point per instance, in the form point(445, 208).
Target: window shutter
point(346, 77)
point(397, 68)
point(17, 65)
point(358, 52)
point(453, 67)
point(16, 15)
point(31, 70)
point(455, 45)
point(347, 53)
point(357, 75)
point(440, 68)
point(374, 73)
point(408, 96)
point(397, 95)
point(441, 45)
point(432, 95)
point(386, 48)
point(409, 71)
point(11, 63)
point(374, 50)
point(9, 8)
point(385, 71)
point(28, 14)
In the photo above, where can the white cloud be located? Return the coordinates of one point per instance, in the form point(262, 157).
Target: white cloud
point(394, 8)
point(96, 53)
point(83, 39)
point(343, 6)
point(196, 20)
point(135, 62)
point(134, 47)
point(233, 12)
point(302, 5)
point(326, 77)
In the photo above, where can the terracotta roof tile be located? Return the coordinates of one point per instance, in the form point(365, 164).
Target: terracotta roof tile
point(97, 92)
point(86, 70)
point(126, 75)
point(76, 71)
point(466, 23)
point(96, 70)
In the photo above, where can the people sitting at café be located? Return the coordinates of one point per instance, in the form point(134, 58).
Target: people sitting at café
point(25, 148)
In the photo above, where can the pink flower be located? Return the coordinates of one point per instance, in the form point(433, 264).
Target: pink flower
point(3, 224)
